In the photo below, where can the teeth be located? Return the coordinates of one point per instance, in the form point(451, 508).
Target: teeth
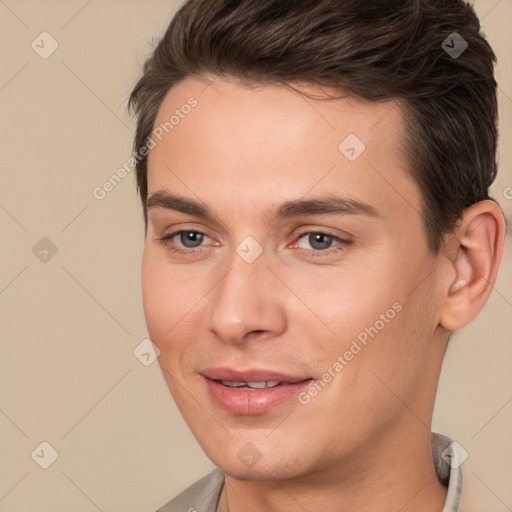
point(233, 384)
point(259, 385)
point(253, 385)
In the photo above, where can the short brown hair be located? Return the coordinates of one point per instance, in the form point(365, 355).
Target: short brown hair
point(373, 50)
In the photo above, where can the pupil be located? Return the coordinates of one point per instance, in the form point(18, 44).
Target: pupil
point(191, 239)
point(323, 240)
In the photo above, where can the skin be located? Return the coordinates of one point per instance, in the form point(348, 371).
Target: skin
point(363, 443)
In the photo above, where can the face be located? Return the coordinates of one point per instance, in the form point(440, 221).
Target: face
point(280, 249)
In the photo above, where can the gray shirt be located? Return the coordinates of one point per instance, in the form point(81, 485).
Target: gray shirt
point(203, 495)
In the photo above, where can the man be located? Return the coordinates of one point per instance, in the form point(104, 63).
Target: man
point(315, 181)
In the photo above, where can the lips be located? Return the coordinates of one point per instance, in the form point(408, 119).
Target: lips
point(251, 392)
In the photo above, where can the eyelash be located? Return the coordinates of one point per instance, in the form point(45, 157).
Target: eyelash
point(342, 243)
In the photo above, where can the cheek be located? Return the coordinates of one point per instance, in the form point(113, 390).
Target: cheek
point(348, 301)
point(378, 327)
point(392, 361)
point(165, 310)
point(174, 301)
point(166, 297)
point(153, 296)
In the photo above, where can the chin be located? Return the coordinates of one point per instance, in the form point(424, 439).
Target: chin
point(245, 463)
point(261, 472)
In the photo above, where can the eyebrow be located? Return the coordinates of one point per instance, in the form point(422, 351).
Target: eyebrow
point(324, 205)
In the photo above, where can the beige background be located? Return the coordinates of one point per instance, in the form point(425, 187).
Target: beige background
point(70, 325)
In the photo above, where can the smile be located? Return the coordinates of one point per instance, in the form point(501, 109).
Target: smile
point(253, 397)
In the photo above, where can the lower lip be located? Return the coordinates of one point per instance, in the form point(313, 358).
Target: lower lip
point(252, 401)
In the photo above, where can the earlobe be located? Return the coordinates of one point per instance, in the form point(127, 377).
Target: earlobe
point(478, 246)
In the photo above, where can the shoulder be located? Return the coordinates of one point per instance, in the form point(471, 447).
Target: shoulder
point(201, 496)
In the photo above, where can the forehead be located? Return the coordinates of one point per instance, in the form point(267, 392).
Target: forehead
point(265, 144)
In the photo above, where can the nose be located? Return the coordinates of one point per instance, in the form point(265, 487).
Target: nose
point(247, 300)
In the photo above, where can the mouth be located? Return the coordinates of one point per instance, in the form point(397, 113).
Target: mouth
point(252, 392)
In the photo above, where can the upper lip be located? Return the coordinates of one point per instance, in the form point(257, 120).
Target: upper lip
point(250, 375)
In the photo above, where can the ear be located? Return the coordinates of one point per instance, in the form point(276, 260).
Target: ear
point(474, 254)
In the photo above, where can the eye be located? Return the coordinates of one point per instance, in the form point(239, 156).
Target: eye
point(189, 239)
point(321, 242)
